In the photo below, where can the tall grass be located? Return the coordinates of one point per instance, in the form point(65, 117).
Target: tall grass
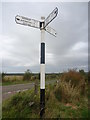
point(65, 99)
point(66, 92)
point(75, 79)
point(74, 76)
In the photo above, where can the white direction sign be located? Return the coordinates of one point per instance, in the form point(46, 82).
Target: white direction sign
point(50, 30)
point(52, 15)
point(27, 21)
point(37, 24)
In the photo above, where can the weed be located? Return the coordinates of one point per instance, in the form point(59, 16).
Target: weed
point(62, 100)
point(66, 92)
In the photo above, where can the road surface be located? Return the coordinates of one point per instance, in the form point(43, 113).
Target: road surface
point(10, 90)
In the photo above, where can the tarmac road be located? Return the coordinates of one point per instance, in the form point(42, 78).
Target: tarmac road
point(8, 91)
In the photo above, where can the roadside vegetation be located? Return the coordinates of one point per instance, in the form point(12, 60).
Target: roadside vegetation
point(0, 79)
point(17, 79)
point(89, 93)
point(27, 77)
point(67, 98)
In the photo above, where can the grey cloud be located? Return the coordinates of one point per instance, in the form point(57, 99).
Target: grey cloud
point(70, 24)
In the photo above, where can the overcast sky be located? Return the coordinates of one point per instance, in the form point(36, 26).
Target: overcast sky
point(20, 45)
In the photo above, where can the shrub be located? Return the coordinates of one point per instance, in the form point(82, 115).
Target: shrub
point(66, 92)
point(89, 76)
point(75, 77)
point(71, 87)
point(3, 76)
point(0, 77)
point(15, 99)
point(27, 75)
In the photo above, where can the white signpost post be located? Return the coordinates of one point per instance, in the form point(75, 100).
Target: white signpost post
point(43, 26)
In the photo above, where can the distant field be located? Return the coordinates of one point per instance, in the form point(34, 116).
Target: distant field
point(14, 79)
point(18, 79)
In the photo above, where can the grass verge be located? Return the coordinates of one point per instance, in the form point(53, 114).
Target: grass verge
point(15, 82)
point(18, 106)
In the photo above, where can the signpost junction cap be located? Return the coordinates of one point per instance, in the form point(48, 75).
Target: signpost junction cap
point(42, 18)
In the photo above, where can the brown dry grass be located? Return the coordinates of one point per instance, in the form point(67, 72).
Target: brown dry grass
point(66, 92)
point(13, 78)
point(74, 76)
point(70, 87)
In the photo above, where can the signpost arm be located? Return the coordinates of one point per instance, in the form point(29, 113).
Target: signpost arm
point(42, 72)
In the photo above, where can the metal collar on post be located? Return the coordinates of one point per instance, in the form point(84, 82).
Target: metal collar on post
point(42, 23)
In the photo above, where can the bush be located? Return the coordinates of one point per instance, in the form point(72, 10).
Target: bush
point(89, 76)
point(27, 75)
point(71, 87)
point(75, 77)
point(3, 76)
point(66, 92)
point(0, 77)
